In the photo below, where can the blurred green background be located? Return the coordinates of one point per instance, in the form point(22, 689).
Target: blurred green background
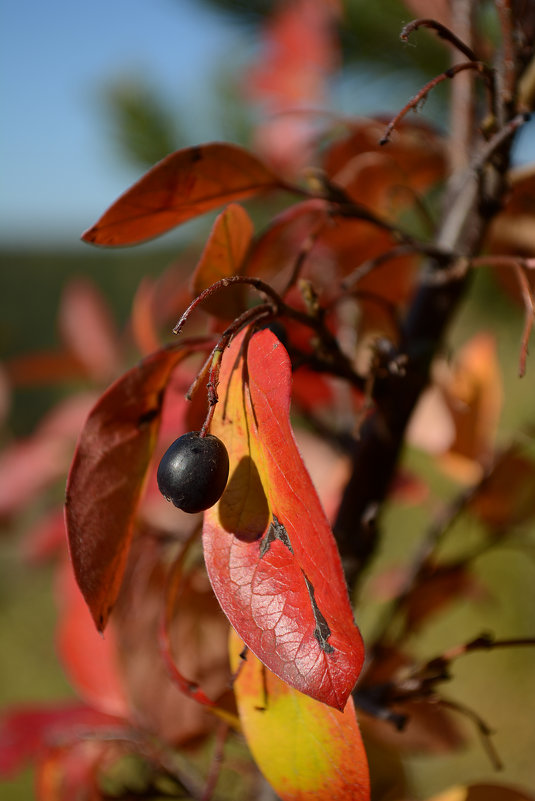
point(136, 121)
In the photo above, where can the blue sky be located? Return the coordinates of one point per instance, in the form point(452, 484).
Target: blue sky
point(58, 168)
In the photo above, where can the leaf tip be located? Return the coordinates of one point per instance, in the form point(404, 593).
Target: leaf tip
point(90, 235)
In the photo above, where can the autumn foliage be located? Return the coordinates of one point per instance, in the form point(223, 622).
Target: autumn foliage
point(312, 346)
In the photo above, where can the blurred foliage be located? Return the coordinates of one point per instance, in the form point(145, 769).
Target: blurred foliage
point(365, 25)
point(145, 128)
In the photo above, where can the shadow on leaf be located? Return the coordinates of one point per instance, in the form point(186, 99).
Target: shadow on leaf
point(243, 508)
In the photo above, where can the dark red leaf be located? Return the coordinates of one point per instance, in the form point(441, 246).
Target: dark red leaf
point(197, 639)
point(183, 185)
point(107, 478)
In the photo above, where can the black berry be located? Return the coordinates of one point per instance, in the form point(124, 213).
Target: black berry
point(193, 472)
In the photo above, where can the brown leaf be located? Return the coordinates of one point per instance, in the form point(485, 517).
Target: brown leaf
point(506, 498)
point(439, 586)
point(199, 638)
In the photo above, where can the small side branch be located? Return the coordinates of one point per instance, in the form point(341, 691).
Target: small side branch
point(483, 729)
point(478, 66)
point(442, 31)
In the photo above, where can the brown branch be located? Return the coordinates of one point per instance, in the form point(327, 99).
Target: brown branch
point(471, 200)
point(423, 557)
point(506, 72)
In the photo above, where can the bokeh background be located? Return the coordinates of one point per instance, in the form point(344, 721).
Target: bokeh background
point(95, 93)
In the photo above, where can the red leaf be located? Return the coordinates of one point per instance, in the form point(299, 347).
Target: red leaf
point(31, 465)
point(183, 185)
point(269, 551)
point(46, 538)
point(73, 771)
point(88, 329)
point(300, 51)
point(107, 478)
point(24, 731)
point(91, 661)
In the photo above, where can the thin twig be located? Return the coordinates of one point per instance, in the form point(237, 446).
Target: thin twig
point(304, 252)
point(442, 31)
point(485, 642)
point(477, 66)
point(216, 762)
point(484, 731)
point(421, 559)
point(257, 283)
point(414, 248)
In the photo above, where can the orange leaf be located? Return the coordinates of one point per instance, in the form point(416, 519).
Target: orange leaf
point(305, 749)
point(183, 185)
point(269, 550)
point(223, 256)
point(473, 392)
point(386, 179)
point(107, 477)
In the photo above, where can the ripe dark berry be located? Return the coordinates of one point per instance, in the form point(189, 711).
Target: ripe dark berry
point(193, 472)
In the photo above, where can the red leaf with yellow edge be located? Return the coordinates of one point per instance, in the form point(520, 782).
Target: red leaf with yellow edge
point(223, 256)
point(305, 749)
point(107, 477)
point(269, 550)
point(183, 185)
